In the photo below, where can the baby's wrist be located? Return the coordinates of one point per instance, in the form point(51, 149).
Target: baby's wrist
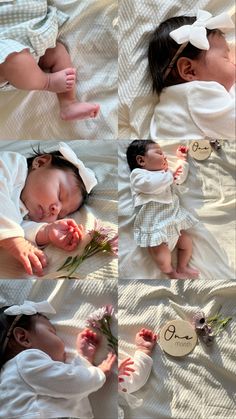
point(147, 351)
point(42, 237)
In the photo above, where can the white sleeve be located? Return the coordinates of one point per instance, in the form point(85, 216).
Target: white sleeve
point(185, 169)
point(31, 229)
point(212, 109)
point(11, 168)
point(56, 379)
point(144, 181)
point(142, 366)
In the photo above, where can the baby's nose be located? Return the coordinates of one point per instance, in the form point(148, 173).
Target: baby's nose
point(54, 209)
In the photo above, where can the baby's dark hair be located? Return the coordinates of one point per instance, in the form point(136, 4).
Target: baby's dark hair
point(6, 321)
point(59, 162)
point(162, 49)
point(137, 147)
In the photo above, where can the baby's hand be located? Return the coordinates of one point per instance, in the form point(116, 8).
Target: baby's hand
point(145, 340)
point(178, 172)
point(107, 364)
point(87, 343)
point(124, 369)
point(182, 152)
point(32, 258)
point(65, 234)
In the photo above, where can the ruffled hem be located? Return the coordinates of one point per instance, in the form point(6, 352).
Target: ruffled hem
point(37, 41)
point(165, 235)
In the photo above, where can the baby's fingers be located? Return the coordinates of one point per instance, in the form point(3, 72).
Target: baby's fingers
point(110, 359)
point(36, 263)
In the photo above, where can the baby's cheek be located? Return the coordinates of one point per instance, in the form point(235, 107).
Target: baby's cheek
point(232, 52)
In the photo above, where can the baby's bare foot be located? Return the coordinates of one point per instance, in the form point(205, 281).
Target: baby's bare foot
point(70, 111)
point(61, 81)
point(187, 272)
point(87, 344)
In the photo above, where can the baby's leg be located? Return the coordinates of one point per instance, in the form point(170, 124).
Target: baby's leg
point(184, 246)
point(21, 70)
point(162, 256)
point(54, 60)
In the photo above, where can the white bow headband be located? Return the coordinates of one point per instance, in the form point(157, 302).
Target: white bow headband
point(28, 308)
point(86, 174)
point(196, 33)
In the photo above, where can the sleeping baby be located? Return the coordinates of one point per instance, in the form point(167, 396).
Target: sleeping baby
point(35, 196)
point(36, 381)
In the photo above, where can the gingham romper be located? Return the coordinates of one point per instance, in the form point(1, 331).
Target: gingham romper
point(158, 222)
point(28, 24)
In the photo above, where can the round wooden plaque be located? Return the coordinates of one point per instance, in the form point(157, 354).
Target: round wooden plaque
point(200, 149)
point(178, 338)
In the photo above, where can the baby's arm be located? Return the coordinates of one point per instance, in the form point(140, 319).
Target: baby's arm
point(87, 344)
point(65, 234)
point(145, 341)
point(182, 166)
point(56, 379)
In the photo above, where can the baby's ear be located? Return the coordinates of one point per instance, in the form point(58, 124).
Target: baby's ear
point(22, 337)
point(187, 68)
point(44, 160)
point(140, 160)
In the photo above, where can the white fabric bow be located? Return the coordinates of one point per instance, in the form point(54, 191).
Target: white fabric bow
point(30, 307)
point(87, 175)
point(196, 33)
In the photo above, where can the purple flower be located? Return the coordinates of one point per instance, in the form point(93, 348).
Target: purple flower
point(199, 320)
point(100, 320)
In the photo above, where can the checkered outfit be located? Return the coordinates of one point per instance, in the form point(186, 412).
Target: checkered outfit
point(28, 24)
point(158, 223)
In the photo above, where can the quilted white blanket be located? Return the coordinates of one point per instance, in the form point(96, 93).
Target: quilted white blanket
point(91, 37)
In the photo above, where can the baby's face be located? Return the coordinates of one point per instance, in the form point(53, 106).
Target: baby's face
point(50, 193)
point(43, 336)
point(154, 158)
point(215, 64)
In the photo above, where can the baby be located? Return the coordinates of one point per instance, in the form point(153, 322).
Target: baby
point(35, 380)
point(161, 223)
point(134, 373)
point(31, 57)
point(194, 76)
point(44, 189)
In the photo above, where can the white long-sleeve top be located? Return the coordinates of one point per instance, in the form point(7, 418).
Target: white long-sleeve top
point(147, 186)
point(13, 174)
point(137, 379)
point(33, 386)
point(196, 110)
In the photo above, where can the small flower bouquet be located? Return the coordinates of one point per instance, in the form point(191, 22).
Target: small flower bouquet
point(103, 239)
point(100, 320)
point(208, 328)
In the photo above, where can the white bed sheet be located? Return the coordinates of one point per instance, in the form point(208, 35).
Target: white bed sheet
point(73, 302)
point(137, 20)
point(200, 385)
point(91, 36)
point(209, 193)
point(101, 156)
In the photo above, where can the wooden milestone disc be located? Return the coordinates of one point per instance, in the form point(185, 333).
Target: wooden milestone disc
point(178, 338)
point(200, 149)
